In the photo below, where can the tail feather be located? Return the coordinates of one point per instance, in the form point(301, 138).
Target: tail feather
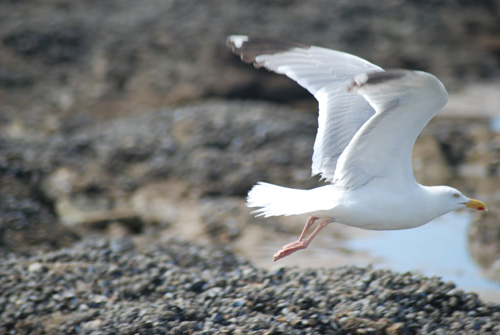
point(274, 200)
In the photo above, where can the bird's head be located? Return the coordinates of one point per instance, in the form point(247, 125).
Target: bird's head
point(451, 199)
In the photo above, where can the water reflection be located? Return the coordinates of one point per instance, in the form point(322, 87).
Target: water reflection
point(495, 124)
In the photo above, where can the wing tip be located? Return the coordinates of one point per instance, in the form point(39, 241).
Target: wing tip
point(237, 45)
point(376, 77)
point(250, 48)
point(236, 41)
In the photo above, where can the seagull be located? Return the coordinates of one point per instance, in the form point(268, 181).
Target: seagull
point(369, 119)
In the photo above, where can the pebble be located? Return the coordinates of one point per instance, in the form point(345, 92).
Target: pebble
point(35, 267)
point(182, 288)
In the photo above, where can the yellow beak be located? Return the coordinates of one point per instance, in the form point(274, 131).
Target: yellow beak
point(479, 205)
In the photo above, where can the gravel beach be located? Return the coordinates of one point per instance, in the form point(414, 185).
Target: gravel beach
point(103, 286)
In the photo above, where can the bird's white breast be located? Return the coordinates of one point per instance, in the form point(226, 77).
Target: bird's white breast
point(373, 208)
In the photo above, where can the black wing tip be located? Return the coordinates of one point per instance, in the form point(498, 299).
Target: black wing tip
point(237, 44)
point(250, 48)
point(380, 77)
point(377, 77)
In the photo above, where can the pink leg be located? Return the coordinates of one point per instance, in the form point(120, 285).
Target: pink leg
point(303, 241)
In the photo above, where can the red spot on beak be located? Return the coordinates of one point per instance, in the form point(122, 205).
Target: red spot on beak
point(480, 208)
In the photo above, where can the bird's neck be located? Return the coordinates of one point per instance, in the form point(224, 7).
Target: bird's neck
point(431, 199)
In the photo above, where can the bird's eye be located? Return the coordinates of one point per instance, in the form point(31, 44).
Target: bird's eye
point(455, 195)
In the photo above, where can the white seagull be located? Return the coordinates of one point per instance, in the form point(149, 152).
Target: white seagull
point(369, 120)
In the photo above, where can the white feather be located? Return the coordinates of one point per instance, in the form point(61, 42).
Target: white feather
point(273, 200)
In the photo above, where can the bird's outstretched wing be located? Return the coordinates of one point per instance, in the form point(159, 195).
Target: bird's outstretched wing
point(404, 102)
point(327, 75)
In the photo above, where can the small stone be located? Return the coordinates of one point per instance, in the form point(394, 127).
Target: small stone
point(83, 307)
point(395, 329)
point(35, 267)
point(92, 325)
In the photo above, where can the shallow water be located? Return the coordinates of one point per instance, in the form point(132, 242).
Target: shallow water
point(495, 124)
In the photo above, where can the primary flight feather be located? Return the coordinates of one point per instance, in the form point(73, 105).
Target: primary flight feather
point(368, 122)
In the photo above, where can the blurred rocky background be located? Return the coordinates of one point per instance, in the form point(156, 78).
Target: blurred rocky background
point(60, 59)
point(132, 118)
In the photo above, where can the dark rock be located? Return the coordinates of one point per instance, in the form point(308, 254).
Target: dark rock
point(27, 219)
